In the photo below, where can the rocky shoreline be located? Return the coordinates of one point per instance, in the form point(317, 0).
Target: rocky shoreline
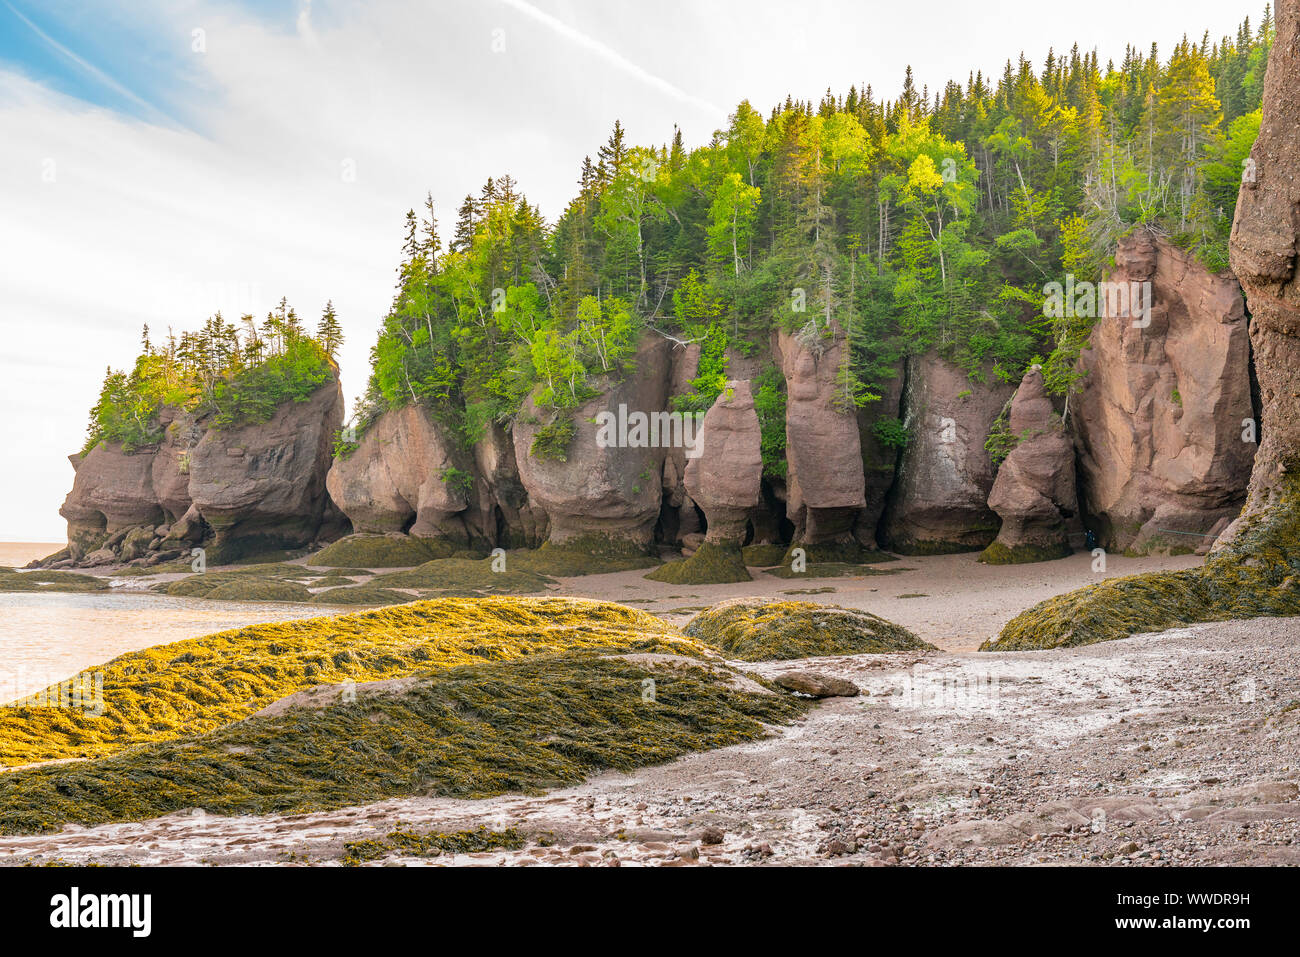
point(1160, 750)
point(1160, 428)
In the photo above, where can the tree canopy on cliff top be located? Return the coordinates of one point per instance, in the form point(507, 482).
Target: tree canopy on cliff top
point(930, 221)
point(230, 374)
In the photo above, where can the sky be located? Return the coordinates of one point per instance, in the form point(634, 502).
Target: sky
point(161, 160)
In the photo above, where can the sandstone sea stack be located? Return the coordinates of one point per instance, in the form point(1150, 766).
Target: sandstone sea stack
point(1164, 420)
point(1034, 493)
point(940, 502)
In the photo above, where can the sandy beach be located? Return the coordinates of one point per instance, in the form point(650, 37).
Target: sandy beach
point(952, 601)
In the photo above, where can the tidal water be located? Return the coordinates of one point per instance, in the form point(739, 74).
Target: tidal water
point(45, 638)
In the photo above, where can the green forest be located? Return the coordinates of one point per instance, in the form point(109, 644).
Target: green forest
point(929, 221)
point(227, 374)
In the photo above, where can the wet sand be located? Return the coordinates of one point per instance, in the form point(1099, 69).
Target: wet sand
point(952, 601)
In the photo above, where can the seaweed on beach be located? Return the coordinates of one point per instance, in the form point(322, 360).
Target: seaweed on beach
point(580, 556)
point(407, 843)
point(1256, 575)
point(763, 556)
point(709, 565)
point(236, 586)
point(465, 576)
point(544, 720)
point(53, 581)
point(195, 686)
point(381, 551)
point(361, 595)
point(756, 629)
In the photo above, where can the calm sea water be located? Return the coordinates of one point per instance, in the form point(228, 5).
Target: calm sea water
point(45, 638)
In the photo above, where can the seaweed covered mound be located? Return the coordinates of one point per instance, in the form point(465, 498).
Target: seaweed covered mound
point(262, 582)
point(11, 580)
point(710, 565)
point(763, 556)
point(359, 595)
point(195, 686)
point(472, 731)
point(1257, 575)
point(578, 557)
point(756, 629)
point(380, 551)
point(1023, 553)
point(466, 576)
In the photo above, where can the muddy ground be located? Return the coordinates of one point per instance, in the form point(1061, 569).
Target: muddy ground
point(1172, 749)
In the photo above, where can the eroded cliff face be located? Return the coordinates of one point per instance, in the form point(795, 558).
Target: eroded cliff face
point(410, 474)
point(235, 491)
point(602, 491)
point(1034, 492)
point(825, 484)
point(262, 486)
point(940, 500)
point(1164, 422)
point(1158, 425)
point(724, 477)
point(1265, 233)
point(403, 477)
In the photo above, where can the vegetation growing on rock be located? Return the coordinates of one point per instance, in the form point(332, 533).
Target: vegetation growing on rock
point(709, 565)
point(360, 595)
point(1252, 577)
point(578, 557)
point(465, 576)
point(755, 629)
point(1024, 553)
point(380, 551)
point(235, 376)
point(912, 223)
point(11, 580)
point(763, 556)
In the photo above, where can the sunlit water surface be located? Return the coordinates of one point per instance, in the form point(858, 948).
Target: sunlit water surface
point(47, 638)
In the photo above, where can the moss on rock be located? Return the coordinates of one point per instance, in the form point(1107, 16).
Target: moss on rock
point(381, 551)
point(575, 558)
point(757, 629)
point(710, 565)
point(1257, 575)
point(465, 576)
point(1000, 554)
point(59, 581)
point(763, 556)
